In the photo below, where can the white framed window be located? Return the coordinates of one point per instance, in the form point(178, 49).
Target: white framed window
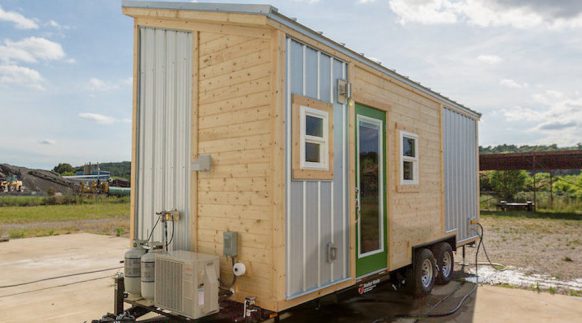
point(314, 139)
point(408, 158)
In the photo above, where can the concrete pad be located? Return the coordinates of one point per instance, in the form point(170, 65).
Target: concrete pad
point(518, 305)
point(69, 299)
point(86, 297)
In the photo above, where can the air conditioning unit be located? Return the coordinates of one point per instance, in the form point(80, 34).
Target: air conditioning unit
point(186, 283)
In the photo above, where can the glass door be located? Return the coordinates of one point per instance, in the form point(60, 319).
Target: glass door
point(370, 184)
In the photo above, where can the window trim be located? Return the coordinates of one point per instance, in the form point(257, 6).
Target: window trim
point(302, 170)
point(414, 160)
point(322, 141)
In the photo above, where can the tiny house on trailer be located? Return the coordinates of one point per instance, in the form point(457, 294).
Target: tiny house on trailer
point(332, 169)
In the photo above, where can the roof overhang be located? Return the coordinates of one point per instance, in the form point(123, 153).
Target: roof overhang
point(273, 14)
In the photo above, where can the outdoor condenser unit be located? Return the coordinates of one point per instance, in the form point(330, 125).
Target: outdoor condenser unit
point(187, 283)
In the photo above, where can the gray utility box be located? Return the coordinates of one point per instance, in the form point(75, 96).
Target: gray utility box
point(230, 244)
point(187, 283)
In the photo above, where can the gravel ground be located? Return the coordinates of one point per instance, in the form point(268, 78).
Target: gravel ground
point(549, 244)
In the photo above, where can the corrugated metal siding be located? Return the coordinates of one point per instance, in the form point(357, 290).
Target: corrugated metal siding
point(317, 211)
point(461, 185)
point(163, 132)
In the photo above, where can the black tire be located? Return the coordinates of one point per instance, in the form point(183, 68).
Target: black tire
point(422, 275)
point(445, 261)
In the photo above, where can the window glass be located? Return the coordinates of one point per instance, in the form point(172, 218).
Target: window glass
point(407, 167)
point(313, 126)
point(408, 148)
point(312, 154)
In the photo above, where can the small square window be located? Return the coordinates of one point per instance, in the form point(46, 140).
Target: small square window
point(312, 139)
point(408, 158)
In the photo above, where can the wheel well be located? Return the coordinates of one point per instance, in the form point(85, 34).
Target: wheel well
point(451, 240)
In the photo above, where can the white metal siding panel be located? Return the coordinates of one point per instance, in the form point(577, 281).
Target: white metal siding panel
point(461, 185)
point(317, 211)
point(163, 131)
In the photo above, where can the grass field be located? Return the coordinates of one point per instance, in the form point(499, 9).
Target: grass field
point(102, 215)
point(541, 242)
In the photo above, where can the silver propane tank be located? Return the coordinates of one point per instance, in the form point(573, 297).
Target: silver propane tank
point(148, 270)
point(132, 267)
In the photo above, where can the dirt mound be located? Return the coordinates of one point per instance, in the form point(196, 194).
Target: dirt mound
point(38, 180)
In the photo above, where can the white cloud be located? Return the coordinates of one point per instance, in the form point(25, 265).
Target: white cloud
point(19, 21)
point(31, 50)
point(556, 118)
point(366, 1)
point(489, 59)
point(98, 118)
point(47, 142)
point(519, 113)
point(548, 97)
point(485, 13)
point(306, 1)
point(424, 11)
point(20, 75)
point(102, 119)
point(97, 85)
point(512, 84)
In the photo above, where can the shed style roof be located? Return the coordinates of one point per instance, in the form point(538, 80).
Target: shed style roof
point(273, 14)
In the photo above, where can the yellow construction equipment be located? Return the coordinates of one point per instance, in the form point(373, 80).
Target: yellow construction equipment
point(11, 184)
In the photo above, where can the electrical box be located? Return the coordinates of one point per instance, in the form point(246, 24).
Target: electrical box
point(230, 244)
point(202, 164)
point(186, 283)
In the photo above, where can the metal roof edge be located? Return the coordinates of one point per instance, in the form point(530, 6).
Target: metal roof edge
point(272, 13)
point(257, 9)
point(294, 25)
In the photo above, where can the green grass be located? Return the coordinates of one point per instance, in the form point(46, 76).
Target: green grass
point(50, 213)
point(21, 200)
point(96, 215)
point(6, 201)
point(532, 215)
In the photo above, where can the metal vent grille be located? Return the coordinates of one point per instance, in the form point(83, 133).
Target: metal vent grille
point(168, 293)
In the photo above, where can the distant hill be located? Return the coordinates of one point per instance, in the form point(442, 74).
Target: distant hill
point(117, 169)
point(524, 149)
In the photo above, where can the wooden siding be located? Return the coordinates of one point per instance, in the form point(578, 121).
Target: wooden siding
point(235, 129)
point(414, 212)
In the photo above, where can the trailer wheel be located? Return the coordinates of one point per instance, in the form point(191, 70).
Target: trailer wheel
point(422, 275)
point(445, 262)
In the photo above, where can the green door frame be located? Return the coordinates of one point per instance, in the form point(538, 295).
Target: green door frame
point(377, 260)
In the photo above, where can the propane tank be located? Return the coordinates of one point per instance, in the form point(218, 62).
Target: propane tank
point(132, 267)
point(148, 272)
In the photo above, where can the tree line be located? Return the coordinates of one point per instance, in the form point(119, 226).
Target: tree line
point(525, 148)
point(117, 169)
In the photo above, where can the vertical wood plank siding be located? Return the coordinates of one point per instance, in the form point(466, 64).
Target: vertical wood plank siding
point(317, 211)
point(163, 150)
point(235, 129)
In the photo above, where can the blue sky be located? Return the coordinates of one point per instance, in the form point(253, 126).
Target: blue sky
point(65, 67)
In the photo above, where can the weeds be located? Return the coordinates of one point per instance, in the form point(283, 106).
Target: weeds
point(16, 234)
point(8, 201)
